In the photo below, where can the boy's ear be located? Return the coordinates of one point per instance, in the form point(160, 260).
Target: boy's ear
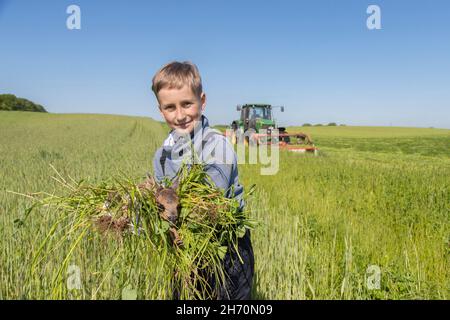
point(203, 101)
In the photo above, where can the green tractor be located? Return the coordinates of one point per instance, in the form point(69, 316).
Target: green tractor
point(257, 117)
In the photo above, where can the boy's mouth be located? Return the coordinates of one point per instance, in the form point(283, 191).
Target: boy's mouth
point(184, 125)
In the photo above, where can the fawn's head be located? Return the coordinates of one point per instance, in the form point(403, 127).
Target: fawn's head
point(166, 198)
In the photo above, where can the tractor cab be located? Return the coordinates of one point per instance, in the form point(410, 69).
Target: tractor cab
point(256, 117)
point(258, 111)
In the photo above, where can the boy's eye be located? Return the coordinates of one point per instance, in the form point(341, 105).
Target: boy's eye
point(169, 108)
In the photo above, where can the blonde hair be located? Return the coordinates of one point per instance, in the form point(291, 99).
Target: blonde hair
point(176, 75)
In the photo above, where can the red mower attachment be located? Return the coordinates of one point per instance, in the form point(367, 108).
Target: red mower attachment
point(295, 142)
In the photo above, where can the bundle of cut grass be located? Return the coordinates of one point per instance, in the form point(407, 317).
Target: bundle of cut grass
point(180, 230)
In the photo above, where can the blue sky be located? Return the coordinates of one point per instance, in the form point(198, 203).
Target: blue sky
point(317, 58)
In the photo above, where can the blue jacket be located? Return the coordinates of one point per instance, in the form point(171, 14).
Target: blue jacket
point(204, 145)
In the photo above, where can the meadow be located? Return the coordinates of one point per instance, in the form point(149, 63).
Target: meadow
point(369, 218)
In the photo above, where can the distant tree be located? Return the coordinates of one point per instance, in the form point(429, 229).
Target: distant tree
point(10, 102)
point(306, 125)
point(343, 125)
point(332, 124)
point(318, 125)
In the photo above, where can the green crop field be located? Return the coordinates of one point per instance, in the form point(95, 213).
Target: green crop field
point(374, 205)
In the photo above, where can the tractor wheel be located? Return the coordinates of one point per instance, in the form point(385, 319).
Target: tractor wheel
point(287, 139)
point(250, 140)
point(234, 138)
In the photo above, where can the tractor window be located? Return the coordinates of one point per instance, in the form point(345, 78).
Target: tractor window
point(263, 113)
point(253, 113)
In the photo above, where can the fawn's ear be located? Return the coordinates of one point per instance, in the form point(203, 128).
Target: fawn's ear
point(158, 187)
point(175, 183)
point(151, 180)
point(149, 183)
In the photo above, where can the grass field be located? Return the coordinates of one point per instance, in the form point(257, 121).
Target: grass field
point(375, 199)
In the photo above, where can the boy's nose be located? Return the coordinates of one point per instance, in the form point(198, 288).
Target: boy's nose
point(180, 115)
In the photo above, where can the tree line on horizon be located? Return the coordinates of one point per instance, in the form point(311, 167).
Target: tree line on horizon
point(9, 102)
point(331, 124)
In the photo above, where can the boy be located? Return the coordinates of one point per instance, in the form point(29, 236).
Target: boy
point(178, 89)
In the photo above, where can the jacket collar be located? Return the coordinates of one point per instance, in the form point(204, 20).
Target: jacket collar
point(174, 137)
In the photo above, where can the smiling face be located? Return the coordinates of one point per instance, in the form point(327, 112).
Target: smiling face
point(181, 108)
